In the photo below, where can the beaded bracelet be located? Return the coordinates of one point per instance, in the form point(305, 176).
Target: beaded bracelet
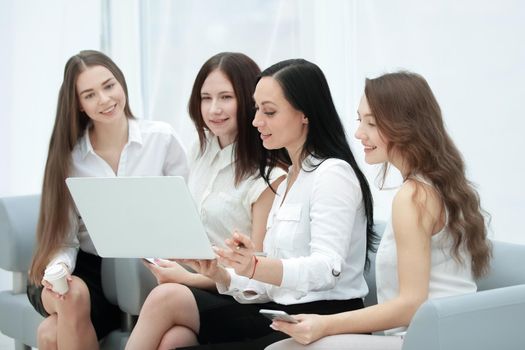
point(255, 262)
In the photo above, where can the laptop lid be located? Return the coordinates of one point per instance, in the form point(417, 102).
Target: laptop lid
point(135, 217)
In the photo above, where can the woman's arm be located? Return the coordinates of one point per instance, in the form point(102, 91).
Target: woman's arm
point(166, 271)
point(333, 204)
point(413, 235)
point(67, 254)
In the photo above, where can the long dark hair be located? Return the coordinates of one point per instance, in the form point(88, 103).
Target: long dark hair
point(306, 89)
point(408, 115)
point(70, 125)
point(242, 72)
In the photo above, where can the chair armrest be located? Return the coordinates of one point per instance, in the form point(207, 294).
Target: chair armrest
point(18, 220)
point(133, 282)
point(487, 320)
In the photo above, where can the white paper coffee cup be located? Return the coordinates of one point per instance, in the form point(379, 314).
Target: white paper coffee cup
point(57, 276)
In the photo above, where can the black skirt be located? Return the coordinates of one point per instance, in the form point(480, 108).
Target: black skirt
point(227, 324)
point(104, 315)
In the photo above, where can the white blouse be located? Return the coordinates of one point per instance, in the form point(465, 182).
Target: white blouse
point(223, 206)
point(152, 149)
point(319, 233)
point(447, 276)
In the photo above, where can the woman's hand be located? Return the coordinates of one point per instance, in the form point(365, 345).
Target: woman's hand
point(239, 254)
point(48, 286)
point(209, 268)
point(309, 329)
point(166, 271)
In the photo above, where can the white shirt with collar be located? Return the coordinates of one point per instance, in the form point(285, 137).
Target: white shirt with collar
point(152, 149)
point(223, 206)
point(319, 233)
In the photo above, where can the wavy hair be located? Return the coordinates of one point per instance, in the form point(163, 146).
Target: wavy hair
point(70, 124)
point(408, 116)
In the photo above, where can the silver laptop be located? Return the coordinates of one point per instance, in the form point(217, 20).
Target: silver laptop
point(135, 217)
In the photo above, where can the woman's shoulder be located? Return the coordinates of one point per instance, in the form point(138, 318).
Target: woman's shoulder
point(334, 173)
point(417, 190)
point(418, 197)
point(332, 166)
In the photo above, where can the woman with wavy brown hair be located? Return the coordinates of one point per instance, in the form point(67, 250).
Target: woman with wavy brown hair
point(436, 242)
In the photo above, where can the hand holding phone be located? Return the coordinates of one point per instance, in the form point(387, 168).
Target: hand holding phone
point(278, 315)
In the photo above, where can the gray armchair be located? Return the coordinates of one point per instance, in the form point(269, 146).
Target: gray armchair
point(492, 318)
point(126, 282)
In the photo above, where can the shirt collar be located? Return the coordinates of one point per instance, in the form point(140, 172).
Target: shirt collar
point(225, 155)
point(309, 163)
point(134, 135)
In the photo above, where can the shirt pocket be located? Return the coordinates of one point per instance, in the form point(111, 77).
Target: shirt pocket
point(288, 219)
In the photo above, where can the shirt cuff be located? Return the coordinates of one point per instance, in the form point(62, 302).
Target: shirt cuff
point(291, 269)
point(237, 283)
point(67, 258)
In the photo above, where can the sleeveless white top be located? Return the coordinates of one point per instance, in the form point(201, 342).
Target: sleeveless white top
point(447, 276)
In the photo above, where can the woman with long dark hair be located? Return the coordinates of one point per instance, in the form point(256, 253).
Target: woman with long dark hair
point(316, 235)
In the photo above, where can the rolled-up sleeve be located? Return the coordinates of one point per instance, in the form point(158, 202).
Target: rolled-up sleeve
point(243, 289)
point(68, 252)
point(335, 198)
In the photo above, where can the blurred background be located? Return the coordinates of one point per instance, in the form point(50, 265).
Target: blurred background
point(471, 52)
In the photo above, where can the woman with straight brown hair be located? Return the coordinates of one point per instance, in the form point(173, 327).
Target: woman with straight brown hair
point(95, 134)
point(224, 163)
point(436, 242)
point(225, 183)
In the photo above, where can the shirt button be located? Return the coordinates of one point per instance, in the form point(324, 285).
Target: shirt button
point(336, 273)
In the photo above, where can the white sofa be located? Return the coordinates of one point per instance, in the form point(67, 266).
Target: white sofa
point(491, 319)
point(126, 282)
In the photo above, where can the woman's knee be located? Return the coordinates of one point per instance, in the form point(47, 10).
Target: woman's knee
point(162, 296)
point(178, 337)
point(47, 333)
point(77, 299)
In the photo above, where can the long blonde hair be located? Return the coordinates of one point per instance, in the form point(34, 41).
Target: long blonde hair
point(408, 116)
point(70, 124)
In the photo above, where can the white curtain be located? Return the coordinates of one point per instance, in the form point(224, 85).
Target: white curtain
point(471, 52)
point(37, 38)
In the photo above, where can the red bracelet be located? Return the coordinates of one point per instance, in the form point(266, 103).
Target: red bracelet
point(255, 261)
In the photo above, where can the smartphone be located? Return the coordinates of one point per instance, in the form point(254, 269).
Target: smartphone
point(278, 315)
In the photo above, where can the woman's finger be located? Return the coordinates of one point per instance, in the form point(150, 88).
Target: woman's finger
point(243, 240)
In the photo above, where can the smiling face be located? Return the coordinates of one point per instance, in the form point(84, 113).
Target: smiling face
point(375, 146)
point(100, 95)
point(219, 107)
point(278, 122)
